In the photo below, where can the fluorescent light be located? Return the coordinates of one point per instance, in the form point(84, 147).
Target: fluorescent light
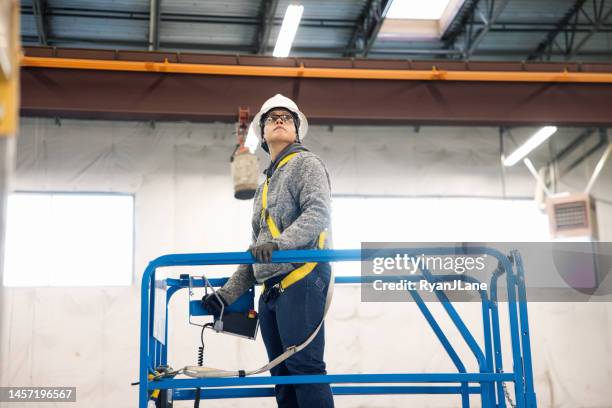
point(534, 141)
point(293, 15)
point(417, 10)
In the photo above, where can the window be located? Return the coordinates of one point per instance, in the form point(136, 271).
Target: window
point(357, 220)
point(411, 20)
point(69, 240)
point(418, 10)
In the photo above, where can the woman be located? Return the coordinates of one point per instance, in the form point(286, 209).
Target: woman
point(291, 211)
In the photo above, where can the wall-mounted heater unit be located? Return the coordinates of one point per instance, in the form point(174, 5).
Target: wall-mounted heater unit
point(572, 215)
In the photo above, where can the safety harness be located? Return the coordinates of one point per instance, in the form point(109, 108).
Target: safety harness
point(294, 276)
point(299, 273)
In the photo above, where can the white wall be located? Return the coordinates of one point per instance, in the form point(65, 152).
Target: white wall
point(179, 173)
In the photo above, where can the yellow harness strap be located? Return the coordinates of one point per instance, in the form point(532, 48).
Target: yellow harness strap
point(264, 199)
point(301, 272)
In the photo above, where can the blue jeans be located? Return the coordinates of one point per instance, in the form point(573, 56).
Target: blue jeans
point(289, 319)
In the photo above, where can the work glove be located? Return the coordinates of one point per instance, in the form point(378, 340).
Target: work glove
point(263, 252)
point(212, 304)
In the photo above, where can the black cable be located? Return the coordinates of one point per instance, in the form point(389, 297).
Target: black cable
point(196, 399)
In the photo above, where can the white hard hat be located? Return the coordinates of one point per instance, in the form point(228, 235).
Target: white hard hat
point(279, 101)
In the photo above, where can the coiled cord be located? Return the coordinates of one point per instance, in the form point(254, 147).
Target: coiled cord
point(200, 356)
point(196, 400)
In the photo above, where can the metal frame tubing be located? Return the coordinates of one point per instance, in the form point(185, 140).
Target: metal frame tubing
point(525, 337)
point(490, 379)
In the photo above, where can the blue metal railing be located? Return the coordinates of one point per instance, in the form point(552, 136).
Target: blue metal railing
point(490, 378)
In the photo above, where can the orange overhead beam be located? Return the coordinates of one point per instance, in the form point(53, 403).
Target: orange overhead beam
point(304, 72)
point(132, 85)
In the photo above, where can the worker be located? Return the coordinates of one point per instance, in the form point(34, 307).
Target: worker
point(291, 210)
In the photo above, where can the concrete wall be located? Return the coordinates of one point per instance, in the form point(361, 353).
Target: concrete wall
point(179, 174)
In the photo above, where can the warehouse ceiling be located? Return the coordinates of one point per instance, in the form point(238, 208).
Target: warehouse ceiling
point(520, 30)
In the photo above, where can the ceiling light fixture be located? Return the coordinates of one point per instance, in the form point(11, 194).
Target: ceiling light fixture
point(534, 141)
point(293, 15)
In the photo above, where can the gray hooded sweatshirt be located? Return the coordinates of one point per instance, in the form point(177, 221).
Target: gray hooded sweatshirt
point(299, 202)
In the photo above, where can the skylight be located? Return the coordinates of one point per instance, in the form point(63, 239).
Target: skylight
point(412, 20)
point(417, 10)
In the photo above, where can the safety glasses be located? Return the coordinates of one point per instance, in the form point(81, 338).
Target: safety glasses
point(284, 117)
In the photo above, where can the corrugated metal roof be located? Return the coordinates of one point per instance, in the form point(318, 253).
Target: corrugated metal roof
point(206, 33)
point(231, 8)
point(325, 9)
point(232, 26)
point(540, 11)
point(597, 42)
point(505, 41)
point(316, 37)
point(28, 25)
point(543, 11)
point(112, 5)
point(99, 29)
